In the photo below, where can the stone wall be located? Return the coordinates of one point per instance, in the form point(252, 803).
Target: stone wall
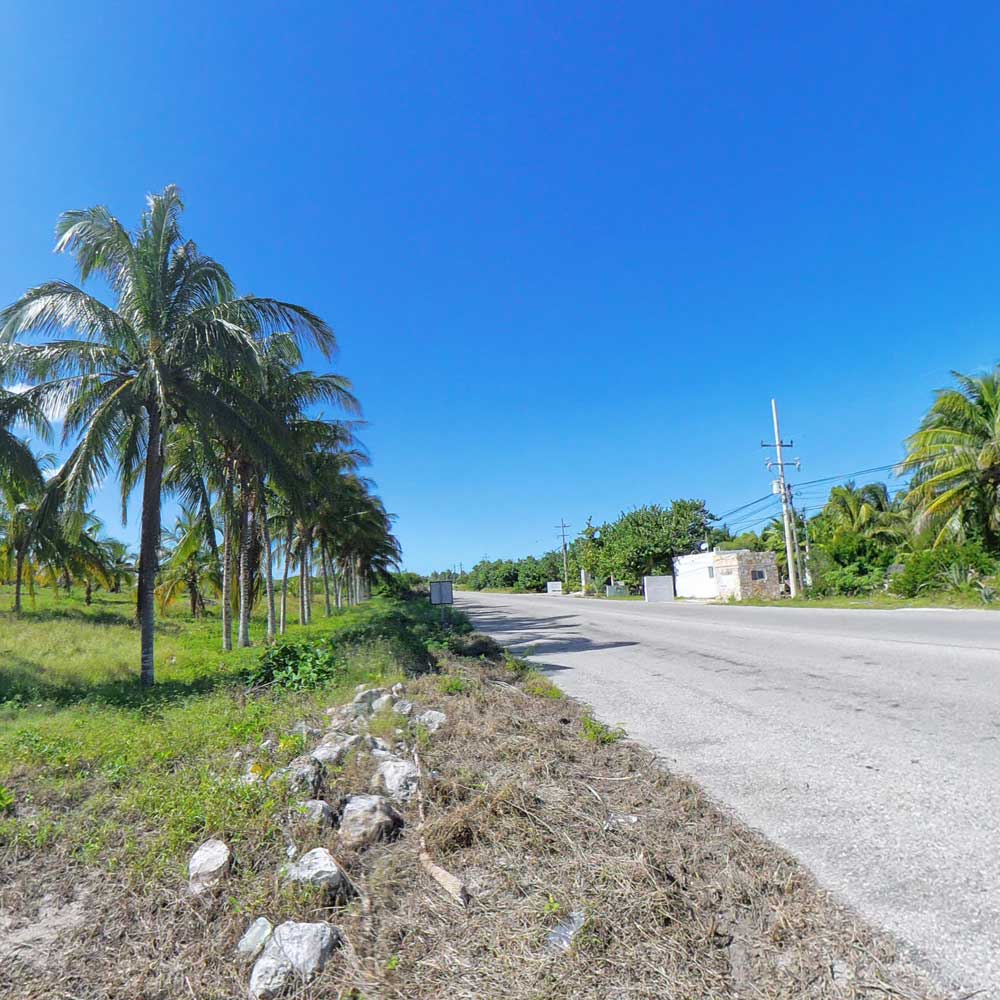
point(734, 575)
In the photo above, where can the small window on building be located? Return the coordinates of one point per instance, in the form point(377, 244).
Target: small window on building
point(758, 574)
point(711, 572)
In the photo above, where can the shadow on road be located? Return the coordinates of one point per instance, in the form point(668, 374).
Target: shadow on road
point(535, 636)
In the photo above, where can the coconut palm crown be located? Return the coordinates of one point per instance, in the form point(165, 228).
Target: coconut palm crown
point(954, 459)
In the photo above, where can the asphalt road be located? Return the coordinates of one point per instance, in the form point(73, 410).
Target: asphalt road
point(865, 742)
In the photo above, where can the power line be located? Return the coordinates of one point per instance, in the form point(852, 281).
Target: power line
point(860, 472)
point(755, 515)
point(736, 510)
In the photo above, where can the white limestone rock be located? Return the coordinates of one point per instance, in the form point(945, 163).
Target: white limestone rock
point(397, 778)
point(293, 955)
point(304, 774)
point(315, 811)
point(369, 697)
point(383, 704)
point(432, 720)
point(367, 819)
point(335, 751)
point(255, 937)
point(209, 864)
point(318, 868)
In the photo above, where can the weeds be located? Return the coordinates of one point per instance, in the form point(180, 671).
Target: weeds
point(595, 731)
point(539, 686)
point(451, 684)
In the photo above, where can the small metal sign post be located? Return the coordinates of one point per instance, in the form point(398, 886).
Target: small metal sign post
point(443, 593)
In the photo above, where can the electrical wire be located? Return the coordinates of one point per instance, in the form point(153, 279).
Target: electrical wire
point(736, 510)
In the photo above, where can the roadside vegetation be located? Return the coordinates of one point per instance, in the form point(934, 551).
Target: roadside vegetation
point(580, 861)
point(930, 536)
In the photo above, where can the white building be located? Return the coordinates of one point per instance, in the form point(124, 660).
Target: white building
point(733, 573)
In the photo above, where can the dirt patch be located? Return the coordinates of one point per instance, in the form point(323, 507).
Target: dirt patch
point(35, 941)
point(678, 902)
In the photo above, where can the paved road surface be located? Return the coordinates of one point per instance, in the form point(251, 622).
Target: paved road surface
point(866, 742)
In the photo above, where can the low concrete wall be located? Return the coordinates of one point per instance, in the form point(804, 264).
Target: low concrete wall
point(658, 589)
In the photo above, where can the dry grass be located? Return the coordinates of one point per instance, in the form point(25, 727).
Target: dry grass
point(685, 903)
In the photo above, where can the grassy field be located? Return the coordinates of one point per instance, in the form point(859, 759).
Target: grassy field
point(131, 778)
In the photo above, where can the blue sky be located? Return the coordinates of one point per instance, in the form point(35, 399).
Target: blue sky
point(570, 251)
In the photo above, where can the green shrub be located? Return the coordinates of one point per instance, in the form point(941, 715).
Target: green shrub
point(400, 585)
point(400, 633)
point(947, 567)
point(295, 665)
point(848, 581)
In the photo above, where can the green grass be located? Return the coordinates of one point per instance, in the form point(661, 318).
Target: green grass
point(132, 779)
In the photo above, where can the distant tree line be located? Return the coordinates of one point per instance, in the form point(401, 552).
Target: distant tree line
point(938, 532)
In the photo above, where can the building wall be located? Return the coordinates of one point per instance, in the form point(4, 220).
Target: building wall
point(734, 573)
point(694, 576)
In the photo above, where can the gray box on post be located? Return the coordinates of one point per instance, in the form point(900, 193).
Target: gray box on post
point(442, 592)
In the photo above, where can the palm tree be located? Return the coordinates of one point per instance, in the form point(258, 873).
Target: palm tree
point(161, 357)
point(119, 561)
point(287, 394)
point(866, 512)
point(954, 459)
point(190, 565)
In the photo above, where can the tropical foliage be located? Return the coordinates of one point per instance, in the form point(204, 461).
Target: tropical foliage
point(183, 390)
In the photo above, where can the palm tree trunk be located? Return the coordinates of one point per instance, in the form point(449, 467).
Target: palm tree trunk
point(243, 635)
point(302, 586)
point(284, 579)
point(326, 579)
point(227, 568)
point(19, 572)
point(309, 590)
point(89, 593)
point(265, 534)
point(149, 542)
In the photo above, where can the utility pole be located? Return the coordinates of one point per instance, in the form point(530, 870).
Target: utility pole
point(795, 541)
point(805, 525)
point(562, 526)
point(790, 548)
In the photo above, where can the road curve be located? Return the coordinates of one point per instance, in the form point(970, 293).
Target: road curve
point(865, 742)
